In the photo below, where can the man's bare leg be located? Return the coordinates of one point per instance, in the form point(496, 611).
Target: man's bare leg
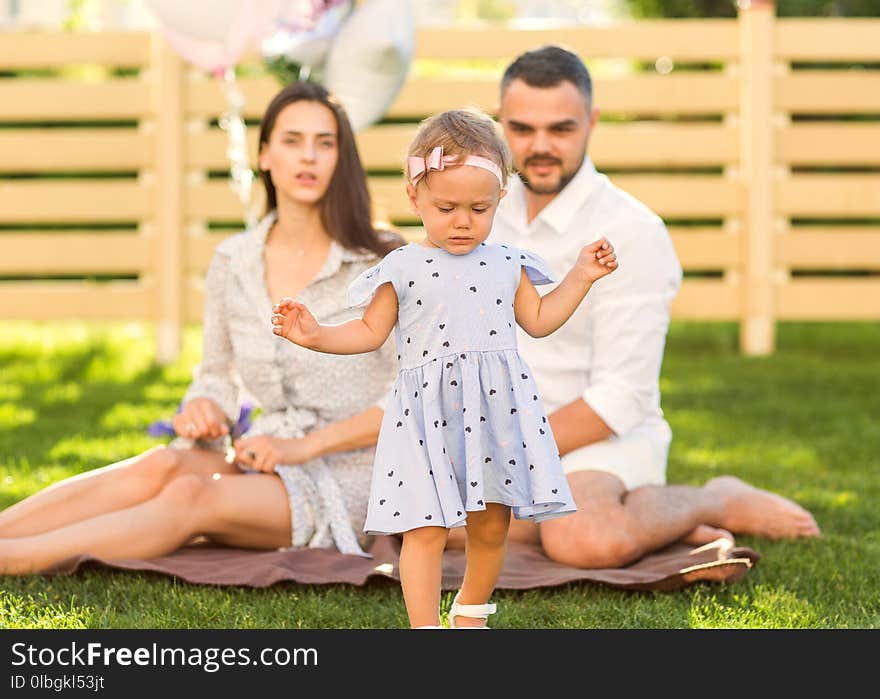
point(610, 528)
point(613, 527)
point(114, 487)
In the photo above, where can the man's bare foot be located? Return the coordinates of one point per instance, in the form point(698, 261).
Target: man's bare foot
point(704, 534)
point(750, 510)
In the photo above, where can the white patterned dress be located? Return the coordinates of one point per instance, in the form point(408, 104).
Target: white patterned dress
point(464, 425)
point(298, 390)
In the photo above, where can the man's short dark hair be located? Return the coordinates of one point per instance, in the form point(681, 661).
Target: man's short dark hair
point(547, 67)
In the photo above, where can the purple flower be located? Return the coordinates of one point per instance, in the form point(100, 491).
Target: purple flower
point(165, 428)
point(244, 420)
point(161, 428)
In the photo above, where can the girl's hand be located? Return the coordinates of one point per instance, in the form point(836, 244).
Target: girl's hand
point(262, 452)
point(293, 321)
point(597, 259)
point(200, 418)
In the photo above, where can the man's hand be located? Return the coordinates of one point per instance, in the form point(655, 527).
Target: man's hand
point(597, 260)
point(293, 321)
point(200, 418)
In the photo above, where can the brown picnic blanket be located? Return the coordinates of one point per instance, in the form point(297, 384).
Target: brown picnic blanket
point(525, 566)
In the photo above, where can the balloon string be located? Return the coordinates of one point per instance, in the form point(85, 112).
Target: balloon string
point(241, 174)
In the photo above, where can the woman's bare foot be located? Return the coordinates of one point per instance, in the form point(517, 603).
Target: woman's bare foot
point(750, 510)
point(704, 534)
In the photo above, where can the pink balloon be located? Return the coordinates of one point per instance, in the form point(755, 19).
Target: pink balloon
point(214, 34)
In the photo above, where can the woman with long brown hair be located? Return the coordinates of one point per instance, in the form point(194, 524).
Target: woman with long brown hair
point(300, 476)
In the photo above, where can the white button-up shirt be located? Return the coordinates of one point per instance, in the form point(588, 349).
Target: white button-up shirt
point(610, 351)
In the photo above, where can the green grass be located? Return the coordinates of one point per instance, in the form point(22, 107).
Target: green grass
point(804, 422)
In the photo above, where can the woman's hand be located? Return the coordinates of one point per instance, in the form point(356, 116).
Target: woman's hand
point(264, 453)
point(293, 321)
point(597, 259)
point(200, 418)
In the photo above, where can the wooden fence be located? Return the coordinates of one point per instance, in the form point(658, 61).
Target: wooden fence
point(757, 140)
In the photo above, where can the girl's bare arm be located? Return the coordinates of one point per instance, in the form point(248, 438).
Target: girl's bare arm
point(540, 316)
point(293, 321)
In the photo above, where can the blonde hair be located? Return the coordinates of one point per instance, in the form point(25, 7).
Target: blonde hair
point(461, 132)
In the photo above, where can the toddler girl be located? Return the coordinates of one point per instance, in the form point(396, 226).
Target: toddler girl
point(465, 439)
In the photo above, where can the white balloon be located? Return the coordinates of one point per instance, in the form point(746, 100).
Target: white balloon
point(370, 58)
point(306, 46)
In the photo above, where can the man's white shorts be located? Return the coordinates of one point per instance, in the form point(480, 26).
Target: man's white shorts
point(637, 457)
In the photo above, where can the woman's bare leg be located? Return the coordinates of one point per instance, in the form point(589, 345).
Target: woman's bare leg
point(250, 511)
point(114, 487)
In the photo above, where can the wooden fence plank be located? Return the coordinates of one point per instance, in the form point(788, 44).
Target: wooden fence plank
point(704, 299)
point(643, 94)
point(675, 196)
point(693, 93)
point(682, 196)
point(828, 39)
point(62, 49)
point(829, 299)
point(198, 251)
point(706, 249)
point(60, 150)
point(167, 110)
point(692, 40)
point(828, 92)
point(663, 145)
point(757, 323)
point(670, 196)
point(120, 300)
point(32, 99)
point(839, 195)
point(73, 253)
point(73, 201)
point(829, 144)
point(204, 98)
point(206, 149)
point(612, 145)
point(697, 248)
point(831, 249)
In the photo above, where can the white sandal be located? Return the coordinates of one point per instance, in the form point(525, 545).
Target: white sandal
point(472, 611)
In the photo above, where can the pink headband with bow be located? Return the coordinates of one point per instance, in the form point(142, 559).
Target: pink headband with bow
point(435, 160)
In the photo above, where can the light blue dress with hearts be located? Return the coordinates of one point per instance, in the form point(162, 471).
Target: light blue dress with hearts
point(464, 424)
